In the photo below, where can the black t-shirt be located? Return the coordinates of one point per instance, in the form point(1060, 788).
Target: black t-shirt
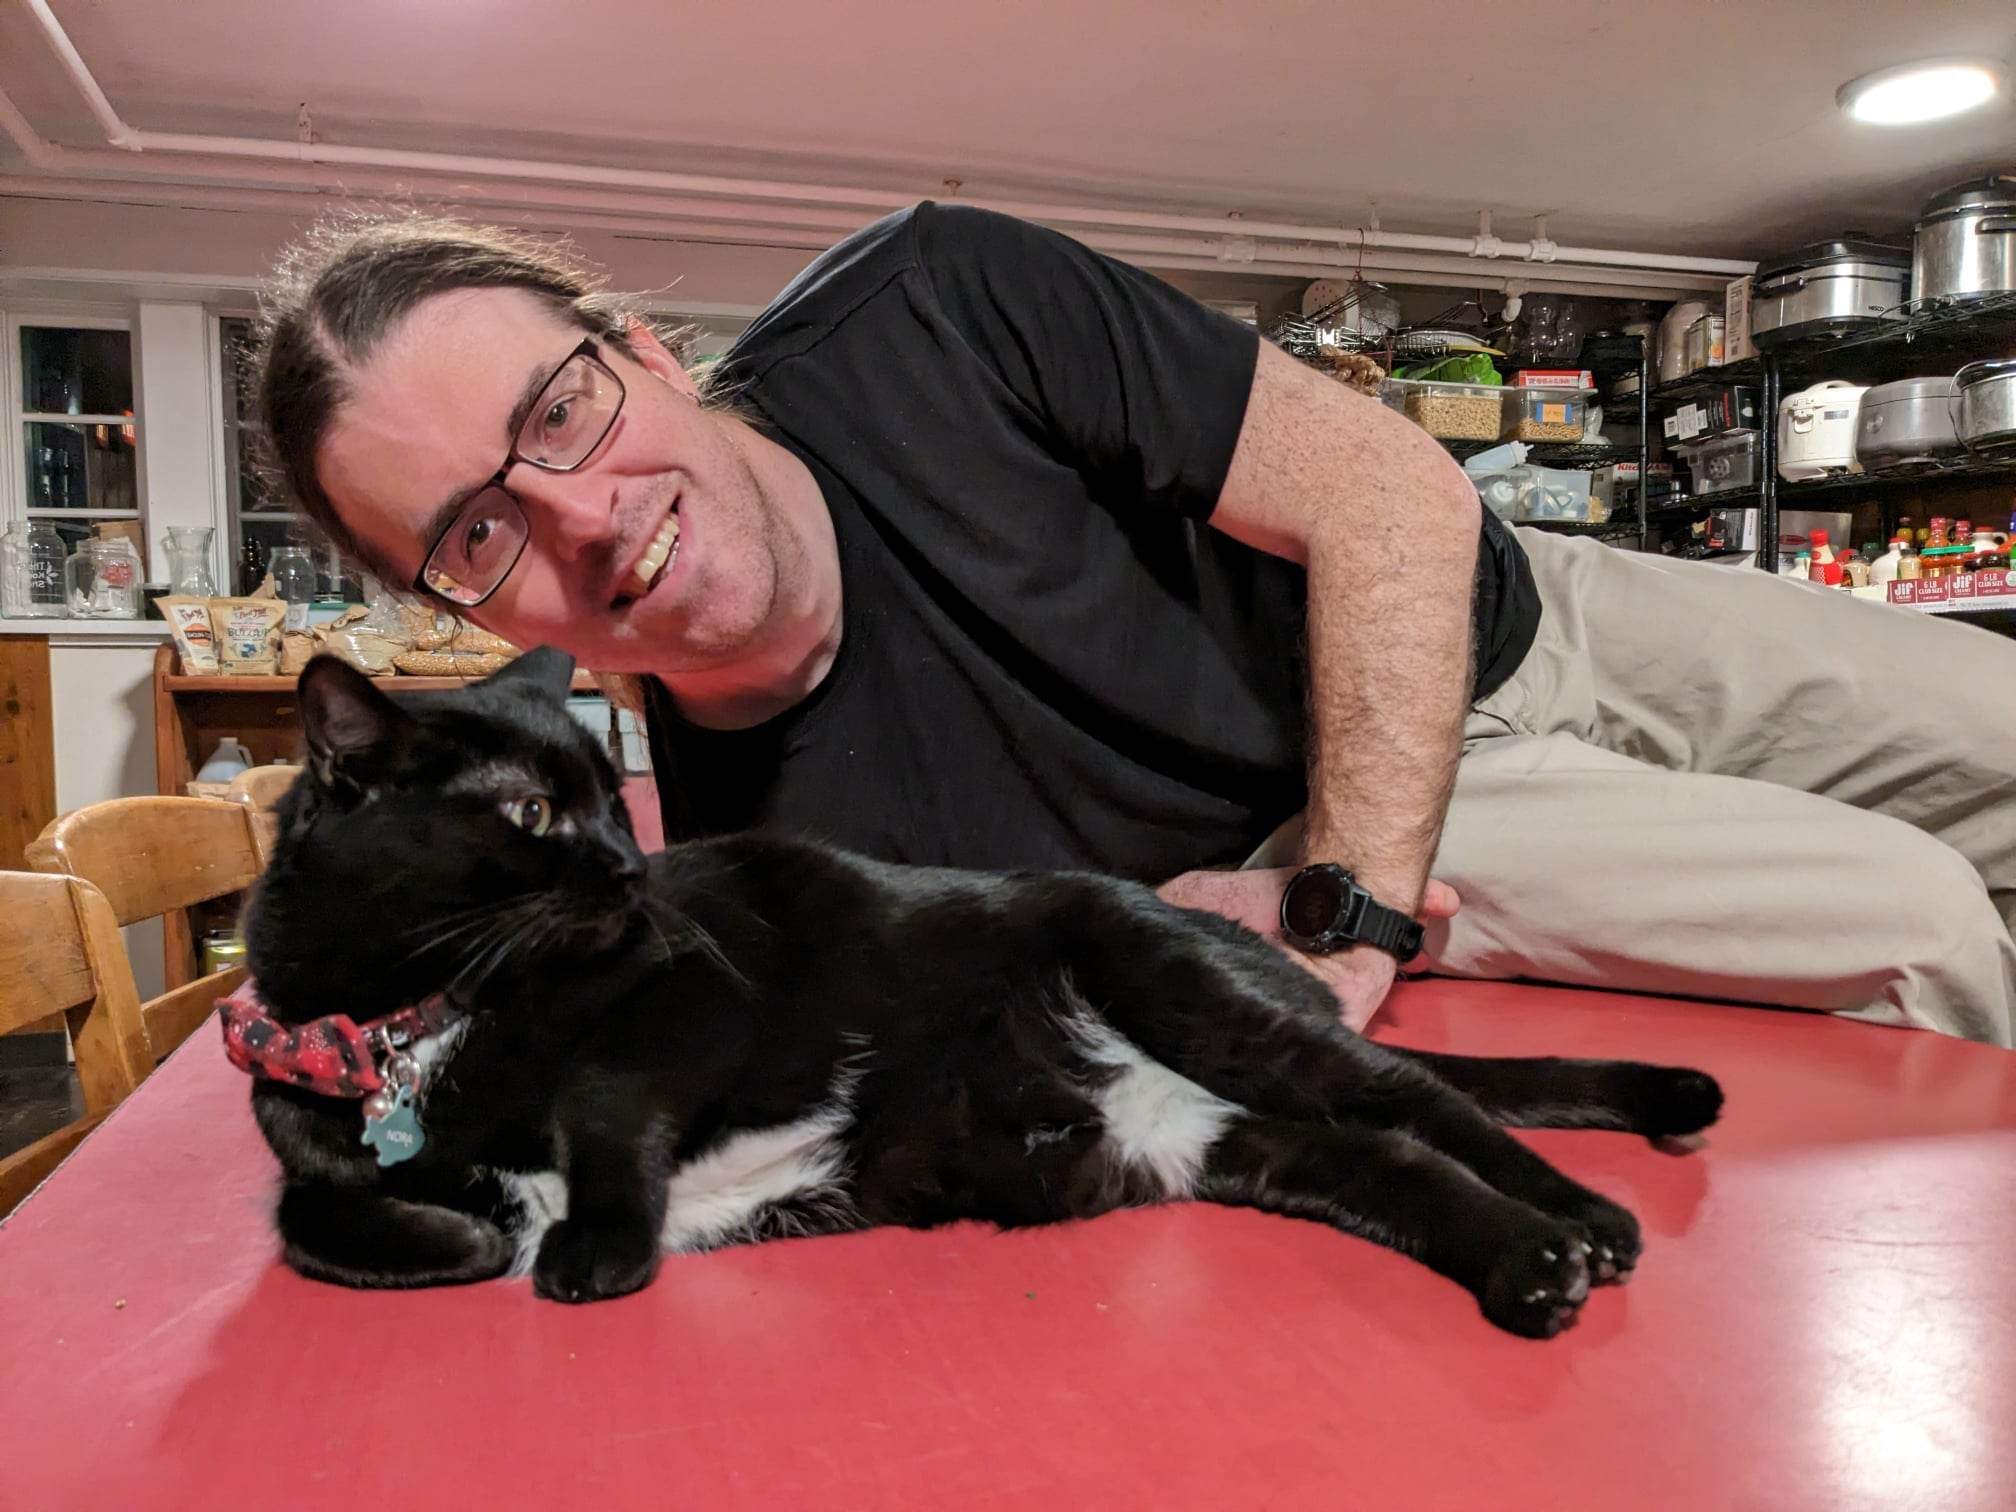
point(1048, 658)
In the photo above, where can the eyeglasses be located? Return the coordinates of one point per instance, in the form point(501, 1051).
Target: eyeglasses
point(470, 559)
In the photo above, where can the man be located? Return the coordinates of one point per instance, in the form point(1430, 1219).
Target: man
point(982, 549)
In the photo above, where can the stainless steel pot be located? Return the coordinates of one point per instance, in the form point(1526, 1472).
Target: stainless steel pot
point(1827, 289)
point(1910, 421)
point(1987, 403)
point(1966, 240)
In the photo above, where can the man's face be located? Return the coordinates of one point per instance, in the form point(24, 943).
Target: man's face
point(427, 422)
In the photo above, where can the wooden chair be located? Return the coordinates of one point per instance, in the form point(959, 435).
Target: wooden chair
point(260, 788)
point(60, 954)
point(152, 855)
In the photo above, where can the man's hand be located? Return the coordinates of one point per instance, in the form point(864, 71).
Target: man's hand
point(1360, 977)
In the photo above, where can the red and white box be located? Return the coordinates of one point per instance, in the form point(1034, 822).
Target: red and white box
point(1554, 378)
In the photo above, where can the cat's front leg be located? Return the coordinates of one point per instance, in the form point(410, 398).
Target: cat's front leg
point(364, 1236)
point(616, 1149)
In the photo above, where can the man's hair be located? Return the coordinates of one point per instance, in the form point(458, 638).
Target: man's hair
point(337, 292)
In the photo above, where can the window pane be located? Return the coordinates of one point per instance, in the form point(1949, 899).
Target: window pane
point(253, 494)
point(81, 467)
point(76, 372)
point(74, 533)
point(235, 335)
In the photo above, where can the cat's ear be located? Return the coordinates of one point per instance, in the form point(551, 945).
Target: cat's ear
point(344, 716)
point(544, 669)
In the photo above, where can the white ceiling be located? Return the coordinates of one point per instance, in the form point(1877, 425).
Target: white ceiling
point(1693, 126)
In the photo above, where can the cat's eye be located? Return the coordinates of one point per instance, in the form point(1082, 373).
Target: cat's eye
point(532, 813)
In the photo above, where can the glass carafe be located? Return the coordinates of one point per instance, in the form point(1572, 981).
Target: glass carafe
point(188, 548)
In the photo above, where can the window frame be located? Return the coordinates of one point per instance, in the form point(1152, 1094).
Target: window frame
point(225, 426)
point(62, 315)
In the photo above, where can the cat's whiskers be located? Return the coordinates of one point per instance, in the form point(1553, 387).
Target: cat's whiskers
point(697, 935)
point(446, 928)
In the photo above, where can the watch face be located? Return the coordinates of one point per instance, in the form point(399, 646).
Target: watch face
point(1312, 903)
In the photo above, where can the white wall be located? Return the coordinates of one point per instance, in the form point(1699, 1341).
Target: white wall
point(102, 692)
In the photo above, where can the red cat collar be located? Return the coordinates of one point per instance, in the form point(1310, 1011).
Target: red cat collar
point(332, 1055)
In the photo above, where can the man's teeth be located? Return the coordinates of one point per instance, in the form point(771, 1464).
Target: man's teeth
point(655, 555)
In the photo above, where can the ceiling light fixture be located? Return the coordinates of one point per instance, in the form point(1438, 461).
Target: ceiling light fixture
point(1911, 93)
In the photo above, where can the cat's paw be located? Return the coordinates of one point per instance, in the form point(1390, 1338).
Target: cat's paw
point(1669, 1101)
point(1610, 1235)
point(1538, 1284)
point(581, 1262)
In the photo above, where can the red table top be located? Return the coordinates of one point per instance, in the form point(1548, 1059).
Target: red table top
point(1825, 1318)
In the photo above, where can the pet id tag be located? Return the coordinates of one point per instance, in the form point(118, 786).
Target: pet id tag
point(391, 1121)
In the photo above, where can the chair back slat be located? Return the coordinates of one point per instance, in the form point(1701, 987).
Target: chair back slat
point(148, 855)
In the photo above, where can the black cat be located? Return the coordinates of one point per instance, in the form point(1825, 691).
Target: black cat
point(752, 1037)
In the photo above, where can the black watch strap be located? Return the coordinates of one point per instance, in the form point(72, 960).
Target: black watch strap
point(1391, 930)
point(1340, 913)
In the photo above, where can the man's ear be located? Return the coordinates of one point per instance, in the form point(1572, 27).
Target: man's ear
point(651, 354)
point(545, 670)
point(346, 719)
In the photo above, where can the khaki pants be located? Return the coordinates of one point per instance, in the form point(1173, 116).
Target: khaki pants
point(1710, 781)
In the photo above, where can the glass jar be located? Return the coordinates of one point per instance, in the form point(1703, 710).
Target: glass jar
point(103, 580)
point(31, 572)
point(293, 574)
point(222, 948)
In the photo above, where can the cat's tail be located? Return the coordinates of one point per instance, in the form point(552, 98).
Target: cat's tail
point(1553, 1093)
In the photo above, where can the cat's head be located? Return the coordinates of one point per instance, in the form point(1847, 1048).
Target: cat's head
point(436, 842)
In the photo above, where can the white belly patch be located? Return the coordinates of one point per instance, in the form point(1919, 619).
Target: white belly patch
point(734, 1193)
point(1156, 1121)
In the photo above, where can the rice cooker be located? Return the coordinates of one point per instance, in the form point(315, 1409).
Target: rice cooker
point(1816, 430)
point(1987, 393)
point(1965, 243)
point(1907, 421)
point(1830, 288)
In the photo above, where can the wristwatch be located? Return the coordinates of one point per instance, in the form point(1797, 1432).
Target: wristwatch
point(1324, 909)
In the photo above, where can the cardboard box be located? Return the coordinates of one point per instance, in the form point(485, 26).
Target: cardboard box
point(1713, 414)
point(1967, 588)
point(1736, 342)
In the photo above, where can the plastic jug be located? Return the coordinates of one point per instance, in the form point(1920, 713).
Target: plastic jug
point(226, 762)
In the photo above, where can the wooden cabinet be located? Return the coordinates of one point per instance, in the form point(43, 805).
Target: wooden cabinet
point(27, 745)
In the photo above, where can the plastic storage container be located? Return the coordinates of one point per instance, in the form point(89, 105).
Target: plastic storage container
point(1453, 411)
point(1725, 463)
point(1546, 414)
point(1539, 493)
point(1703, 343)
